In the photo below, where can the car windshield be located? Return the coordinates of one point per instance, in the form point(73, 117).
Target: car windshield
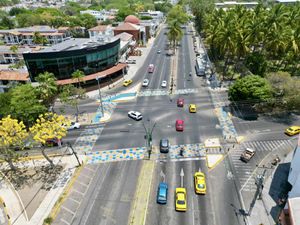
point(201, 186)
point(180, 202)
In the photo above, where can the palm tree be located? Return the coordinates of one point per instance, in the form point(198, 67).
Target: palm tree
point(78, 75)
point(48, 88)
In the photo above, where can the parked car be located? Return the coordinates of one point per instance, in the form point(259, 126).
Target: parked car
point(127, 83)
point(164, 145)
point(179, 125)
point(162, 193)
point(74, 125)
point(164, 84)
point(180, 102)
point(145, 83)
point(53, 142)
point(135, 115)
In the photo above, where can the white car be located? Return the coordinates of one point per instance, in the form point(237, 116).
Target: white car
point(158, 52)
point(135, 115)
point(145, 83)
point(164, 84)
point(74, 125)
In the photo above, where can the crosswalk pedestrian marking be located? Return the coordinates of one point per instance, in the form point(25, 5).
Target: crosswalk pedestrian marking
point(244, 171)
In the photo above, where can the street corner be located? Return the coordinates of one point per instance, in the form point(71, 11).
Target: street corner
point(4, 216)
point(212, 143)
point(212, 160)
point(105, 118)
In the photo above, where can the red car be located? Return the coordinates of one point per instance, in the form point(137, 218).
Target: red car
point(179, 125)
point(180, 102)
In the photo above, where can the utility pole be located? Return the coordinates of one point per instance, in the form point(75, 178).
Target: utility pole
point(148, 137)
point(100, 97)
point(259, 187)
point(74, 153)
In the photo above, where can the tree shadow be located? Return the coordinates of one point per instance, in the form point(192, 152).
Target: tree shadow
point(281, 117)
point(243, 111)
point(23, 177)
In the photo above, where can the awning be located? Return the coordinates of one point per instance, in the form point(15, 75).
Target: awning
point(101, 74)
point(13, 75)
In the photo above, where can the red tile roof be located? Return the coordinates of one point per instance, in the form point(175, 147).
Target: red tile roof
point(101, 74)
point(127, 26)
point(13, 75)
point(99, 28)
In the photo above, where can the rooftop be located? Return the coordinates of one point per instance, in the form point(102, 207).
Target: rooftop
point(76, 44)
point(41, 29)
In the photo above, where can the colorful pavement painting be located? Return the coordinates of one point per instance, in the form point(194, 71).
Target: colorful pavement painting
point(190, 150)
point(227, 126)
point(116, 155)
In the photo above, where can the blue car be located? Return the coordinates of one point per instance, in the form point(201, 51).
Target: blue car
point(162, 193)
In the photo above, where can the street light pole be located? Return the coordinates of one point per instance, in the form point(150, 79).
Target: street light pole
point(148, 137)
point(100, 97)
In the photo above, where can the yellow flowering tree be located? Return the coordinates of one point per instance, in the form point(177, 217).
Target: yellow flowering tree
point(49, 126)
point(12, 133)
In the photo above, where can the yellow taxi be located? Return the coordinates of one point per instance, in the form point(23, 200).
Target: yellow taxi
point(180, 199)
point(127, 82)
point(292, 130)
point(193, 108)
point(200, 184)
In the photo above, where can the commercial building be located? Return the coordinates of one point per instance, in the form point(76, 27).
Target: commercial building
point(96, 58)
point(25, 36)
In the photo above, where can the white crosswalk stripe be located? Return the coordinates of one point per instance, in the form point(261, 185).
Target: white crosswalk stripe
point(244, 171)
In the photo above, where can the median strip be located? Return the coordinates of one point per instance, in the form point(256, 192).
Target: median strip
point(141, 198)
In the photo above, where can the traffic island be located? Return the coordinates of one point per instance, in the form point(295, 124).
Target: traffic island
point(212, 160)
point(139, 206)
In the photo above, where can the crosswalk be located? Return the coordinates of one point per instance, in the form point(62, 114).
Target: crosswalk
point(244, 172)
point(159, 92)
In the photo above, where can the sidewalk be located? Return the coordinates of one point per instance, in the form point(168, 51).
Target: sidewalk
point(40, 205)
point(267, 210)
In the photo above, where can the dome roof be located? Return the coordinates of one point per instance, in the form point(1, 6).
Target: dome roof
point(132, 19)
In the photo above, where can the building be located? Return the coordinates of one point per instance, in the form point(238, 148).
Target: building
point(292, 208)
point(99, 15)
point(230, 4)
point(25, 36)
point(96, 58)
point(101, 31)
point(8, 56)
point(132, 26)
point(10, 76)
point(156, 15)
point(126, 47)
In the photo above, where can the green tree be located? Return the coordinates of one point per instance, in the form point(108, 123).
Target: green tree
point(71, 95)
point(25, 107)
point(86, 20)
point(256, 63)
point(123, 12)
point(47, 89)
point(16, 10)
point(38, 39)
point(78, 76)
point(7, 23)
point(5, 104)
point(251, 88)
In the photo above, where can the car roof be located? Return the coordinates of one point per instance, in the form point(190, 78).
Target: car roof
point(192, 105)
point(294, 127)
point(250, 149)
point(179, 121)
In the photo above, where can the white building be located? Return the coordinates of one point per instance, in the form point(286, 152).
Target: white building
point(156, 15)
point(287, 2)
point(101, 31)
point(99, 15)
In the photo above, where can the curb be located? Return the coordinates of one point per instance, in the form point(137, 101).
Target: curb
point(28, 158)
point(5, 210)
point(56, 208)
